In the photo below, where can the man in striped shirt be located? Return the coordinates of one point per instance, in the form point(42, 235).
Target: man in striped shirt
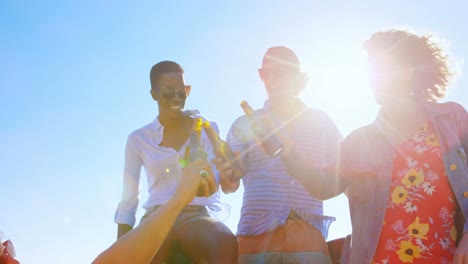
point(281, 222)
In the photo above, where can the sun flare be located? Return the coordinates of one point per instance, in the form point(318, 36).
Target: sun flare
point(339, 86)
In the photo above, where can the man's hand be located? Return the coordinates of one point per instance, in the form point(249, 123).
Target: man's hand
point(229, 181)
point(197, 179)
point(224, 168)
point(461, 253)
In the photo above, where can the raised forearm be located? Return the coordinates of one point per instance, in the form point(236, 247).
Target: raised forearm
point(229, 180)
point(321, 183)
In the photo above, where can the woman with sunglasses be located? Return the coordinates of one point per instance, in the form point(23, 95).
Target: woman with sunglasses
point(159, 147)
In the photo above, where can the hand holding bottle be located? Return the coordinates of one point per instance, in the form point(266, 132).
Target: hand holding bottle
point(263, 132)
point(197, 180)
point(195, 153)
point(226, 171)
point(224, 154)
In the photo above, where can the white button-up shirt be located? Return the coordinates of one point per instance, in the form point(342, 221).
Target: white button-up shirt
point(162, 168)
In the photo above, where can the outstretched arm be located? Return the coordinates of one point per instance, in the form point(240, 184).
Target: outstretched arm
point(321, 182)
point(141, 244)
point(319, 178)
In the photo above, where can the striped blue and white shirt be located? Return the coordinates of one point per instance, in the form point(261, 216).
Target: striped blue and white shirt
point(270, 194)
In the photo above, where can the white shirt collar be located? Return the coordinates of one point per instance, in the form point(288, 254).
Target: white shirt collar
point(156, 125)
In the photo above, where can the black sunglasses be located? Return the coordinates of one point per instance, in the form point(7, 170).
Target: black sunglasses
point(170, 93)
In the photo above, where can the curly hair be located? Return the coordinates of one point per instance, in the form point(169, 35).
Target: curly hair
point(432, 73)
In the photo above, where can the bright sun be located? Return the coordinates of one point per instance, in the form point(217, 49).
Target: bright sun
point(338, 85)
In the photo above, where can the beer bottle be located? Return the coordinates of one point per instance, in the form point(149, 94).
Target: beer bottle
point(267, 140)
point(196, 151)
point(195, 148)
point(222, 150)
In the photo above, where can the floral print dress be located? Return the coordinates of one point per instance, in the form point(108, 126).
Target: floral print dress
point(419, 222)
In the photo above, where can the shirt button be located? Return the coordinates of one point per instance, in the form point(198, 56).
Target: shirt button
point(453, 167)
point(465, 194)
point(373, 234)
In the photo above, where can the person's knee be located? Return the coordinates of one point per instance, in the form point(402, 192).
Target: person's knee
point(230, 240)
point(225, 246)
point(210, 240)
point(225, 238)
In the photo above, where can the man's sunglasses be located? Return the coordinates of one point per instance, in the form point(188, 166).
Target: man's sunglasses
point(170, 93)
point(276, 72)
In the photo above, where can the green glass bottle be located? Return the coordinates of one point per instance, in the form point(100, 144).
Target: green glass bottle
point(196, 151)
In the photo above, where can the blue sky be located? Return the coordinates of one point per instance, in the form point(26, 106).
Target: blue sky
point(74, 83)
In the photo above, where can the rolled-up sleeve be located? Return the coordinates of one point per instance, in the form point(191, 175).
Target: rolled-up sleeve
point(128, 205)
